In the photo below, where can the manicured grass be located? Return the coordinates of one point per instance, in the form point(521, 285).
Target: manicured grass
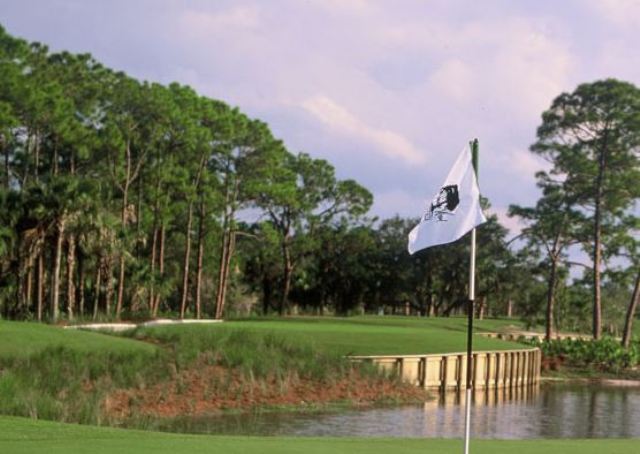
point(20, 339)
point(21, 435)
point(366, 335)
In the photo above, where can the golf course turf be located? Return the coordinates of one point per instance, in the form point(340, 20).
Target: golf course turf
point(25, 436)
point(20, 339)
point(356, 335)
point(365, 335)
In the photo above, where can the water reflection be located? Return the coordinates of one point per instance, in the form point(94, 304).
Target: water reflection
point(549, 411)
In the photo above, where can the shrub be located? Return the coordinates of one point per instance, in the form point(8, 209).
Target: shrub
point(603, 354)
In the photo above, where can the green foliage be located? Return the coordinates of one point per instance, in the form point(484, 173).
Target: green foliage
point(603, 354)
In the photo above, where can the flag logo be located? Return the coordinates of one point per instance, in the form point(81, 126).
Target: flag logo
point(444, 204)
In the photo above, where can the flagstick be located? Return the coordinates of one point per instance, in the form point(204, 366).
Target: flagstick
point(472, 296)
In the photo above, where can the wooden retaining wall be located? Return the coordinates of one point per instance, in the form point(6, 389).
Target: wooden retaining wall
point(445, 372)
point(540, 337)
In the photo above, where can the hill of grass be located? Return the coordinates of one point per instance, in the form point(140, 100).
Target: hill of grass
point(23, 338)
point(25, 436)
point(364, 335)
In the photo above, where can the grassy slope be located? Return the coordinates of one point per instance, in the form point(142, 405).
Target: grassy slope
point(367, 335)
point(20, 435)
point(22, 339)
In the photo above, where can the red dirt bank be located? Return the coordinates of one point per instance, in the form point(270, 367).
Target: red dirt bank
point(211, 389)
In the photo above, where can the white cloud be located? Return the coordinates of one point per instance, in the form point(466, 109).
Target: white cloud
point(521, 162)
point(620, 12)
point(339, 119)
point(242, 17)
point(397, 202)
point(530, 69)
point(455, 79)
point(513, 224)
point(348, 6)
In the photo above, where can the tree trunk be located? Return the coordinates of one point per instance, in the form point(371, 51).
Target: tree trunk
point(597, 244)
point(286, 276)
point(509, 308)
point(225, 276)
point(551, 296)
point(121, 268)
point(154, 246)
point(156, 304)
point(108, 273)
point(228, 238)
point(129, 177)
point(55, 277)
point(139, 218)
point(597, 258)
point(96, 287)
point(185, 264)
point(29, 288)
point(222, 282)
point(187, 247)
point(631, 313)
point(200, 261)
point(71, 289)
point(152, 260)
point(40, 291)
point(82, 278)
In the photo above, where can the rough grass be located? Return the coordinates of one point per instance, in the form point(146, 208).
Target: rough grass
point(24, 436)
point(69, 385)
point(256, 353)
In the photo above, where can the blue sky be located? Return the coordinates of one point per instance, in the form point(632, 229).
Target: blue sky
point(388, 91)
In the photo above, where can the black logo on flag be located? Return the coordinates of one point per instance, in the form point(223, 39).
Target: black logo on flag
point(444, 204)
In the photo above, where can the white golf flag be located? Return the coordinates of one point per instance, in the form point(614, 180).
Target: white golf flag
point(454, 210)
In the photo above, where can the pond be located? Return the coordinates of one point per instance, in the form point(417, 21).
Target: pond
point(548, 411)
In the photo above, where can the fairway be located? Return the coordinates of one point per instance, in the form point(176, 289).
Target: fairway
point(25, 436)
point(367, 335)
point(363, 335)
point(23, 338)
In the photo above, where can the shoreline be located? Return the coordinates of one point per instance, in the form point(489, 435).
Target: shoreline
point(604, 381)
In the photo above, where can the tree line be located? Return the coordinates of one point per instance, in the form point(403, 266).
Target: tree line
point(591, 140)
point(124, 198)
point(121, 196)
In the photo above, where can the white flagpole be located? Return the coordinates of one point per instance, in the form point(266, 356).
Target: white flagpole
point(472, 296)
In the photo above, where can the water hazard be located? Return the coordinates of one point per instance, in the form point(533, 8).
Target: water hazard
point(548, 411)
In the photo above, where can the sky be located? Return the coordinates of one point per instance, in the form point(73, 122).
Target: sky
point(387, 91)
